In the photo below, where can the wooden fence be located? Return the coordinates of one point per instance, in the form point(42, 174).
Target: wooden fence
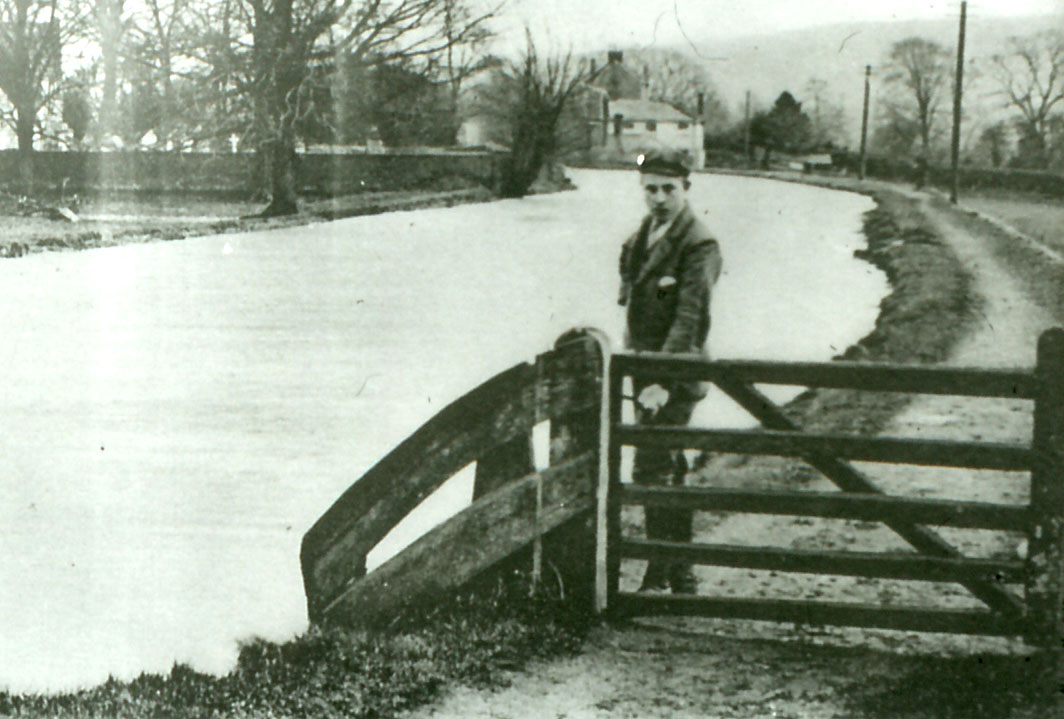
point(1037, 613)
point(573, 506)
point(515, 507)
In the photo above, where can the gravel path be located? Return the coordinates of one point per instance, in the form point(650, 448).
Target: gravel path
point(699, 668)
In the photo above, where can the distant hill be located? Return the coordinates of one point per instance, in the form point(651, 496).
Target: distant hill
point(837, 54)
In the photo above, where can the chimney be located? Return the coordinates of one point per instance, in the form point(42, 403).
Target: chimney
point(615, 56)
point(645, 92)
point(592, 68)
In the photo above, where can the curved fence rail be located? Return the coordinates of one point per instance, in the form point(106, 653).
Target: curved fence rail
point(513, 504)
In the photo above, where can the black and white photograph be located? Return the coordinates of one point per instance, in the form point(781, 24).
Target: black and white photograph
point(535, 359)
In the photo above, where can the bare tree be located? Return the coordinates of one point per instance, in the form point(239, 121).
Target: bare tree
point(529, 97)
point(32, 37)
point(463, 56)
point(678, 80)
point(279, 53)
point(826, 116)
point(157, 35)
point(992, 143)
point(1031, 77)
point(215, 49)
point(918, 78)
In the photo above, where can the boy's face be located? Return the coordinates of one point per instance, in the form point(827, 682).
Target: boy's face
point(665, 195)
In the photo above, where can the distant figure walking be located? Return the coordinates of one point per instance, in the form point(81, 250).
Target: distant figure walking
point(668, 269)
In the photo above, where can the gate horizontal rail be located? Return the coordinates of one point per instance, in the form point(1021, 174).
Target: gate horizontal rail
point(873, 616)
point(877, 377)
point(849, 479)
point(1038, 614)
point(832, 505)
point(971, 455)
point(856, 564)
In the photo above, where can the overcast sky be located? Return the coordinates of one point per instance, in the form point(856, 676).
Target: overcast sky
point(626, 23)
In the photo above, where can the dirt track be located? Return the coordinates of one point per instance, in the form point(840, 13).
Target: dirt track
point(700, 668)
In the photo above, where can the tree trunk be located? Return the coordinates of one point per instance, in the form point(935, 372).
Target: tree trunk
point(281, 163)
point(924, 164)
point(281, 66)
point(169, 107)
point(521, 168)
point(1041, 132)
point(24, 122)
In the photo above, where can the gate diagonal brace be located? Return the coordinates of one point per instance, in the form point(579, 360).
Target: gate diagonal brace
point(849, 479)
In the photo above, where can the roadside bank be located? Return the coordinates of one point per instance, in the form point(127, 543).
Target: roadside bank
point(130, 223)
point(73, 224)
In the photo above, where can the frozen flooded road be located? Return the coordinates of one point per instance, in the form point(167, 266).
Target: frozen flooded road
point(175, 415)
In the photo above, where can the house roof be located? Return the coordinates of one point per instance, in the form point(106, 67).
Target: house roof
point(617, 80)
point(641, 110)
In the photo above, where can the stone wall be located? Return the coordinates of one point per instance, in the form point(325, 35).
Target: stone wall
point(242, 174)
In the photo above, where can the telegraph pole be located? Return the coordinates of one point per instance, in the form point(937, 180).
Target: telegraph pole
point(864, 123)
point(746, 130)
point(955, 148)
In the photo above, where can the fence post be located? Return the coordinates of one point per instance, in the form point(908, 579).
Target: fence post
point(1044, 585)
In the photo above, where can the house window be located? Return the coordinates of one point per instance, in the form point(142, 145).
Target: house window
point(652, 126)
point(629, 125)
point(681, 125)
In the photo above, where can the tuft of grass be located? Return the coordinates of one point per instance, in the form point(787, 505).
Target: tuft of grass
point(332, 672)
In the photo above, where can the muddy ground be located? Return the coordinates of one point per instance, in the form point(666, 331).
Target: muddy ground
point(965, 293)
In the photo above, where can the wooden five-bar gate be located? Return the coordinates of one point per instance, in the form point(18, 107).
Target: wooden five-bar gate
point(567, 513)
point(1037, 613)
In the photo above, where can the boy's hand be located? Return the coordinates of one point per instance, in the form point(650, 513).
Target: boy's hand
point(653, 398)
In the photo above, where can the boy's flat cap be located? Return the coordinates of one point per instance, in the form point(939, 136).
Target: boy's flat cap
point(668, 162)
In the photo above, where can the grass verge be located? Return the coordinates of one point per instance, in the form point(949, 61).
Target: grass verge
point(931, 306)
point(474, 639)
point(129, 224)
point(1042, 276)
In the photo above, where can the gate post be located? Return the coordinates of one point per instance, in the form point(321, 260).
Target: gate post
point(608, 514)
point(570, 547)
point(1044, 583)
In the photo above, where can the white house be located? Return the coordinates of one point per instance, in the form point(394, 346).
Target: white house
point(640, 125)
point(609, 119)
